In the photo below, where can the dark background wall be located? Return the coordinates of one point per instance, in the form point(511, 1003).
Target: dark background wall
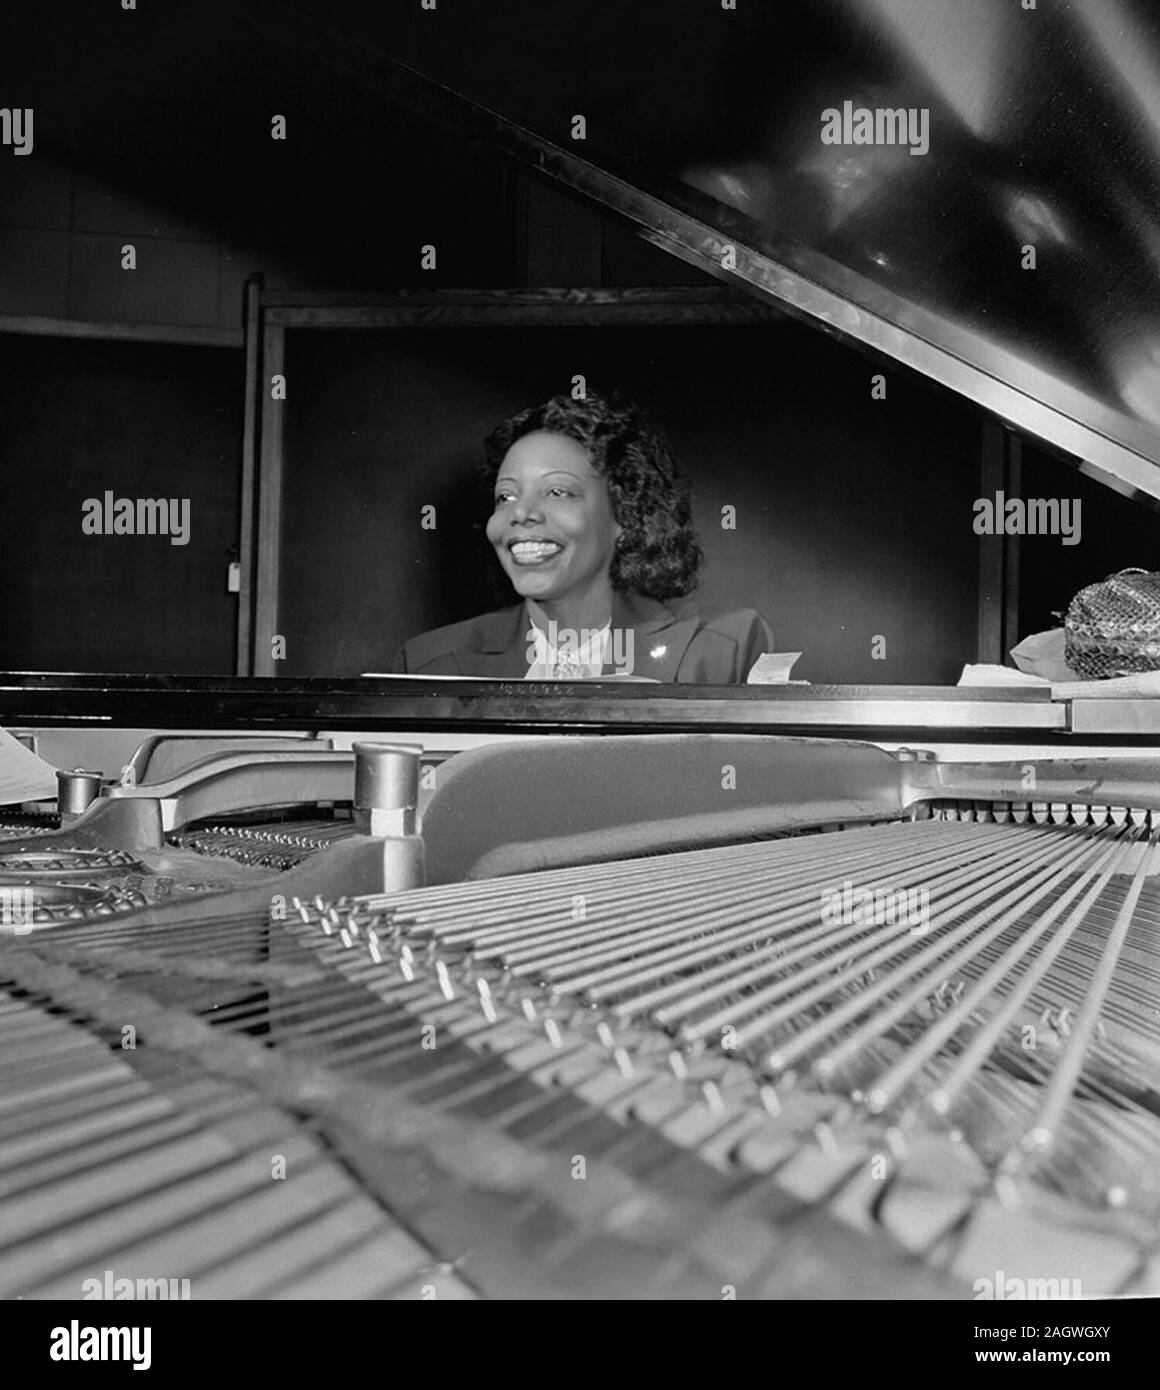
point(1117, 533)
point(141, 420)
point(853, 515)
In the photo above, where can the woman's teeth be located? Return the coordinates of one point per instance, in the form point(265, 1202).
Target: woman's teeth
point(533, 552)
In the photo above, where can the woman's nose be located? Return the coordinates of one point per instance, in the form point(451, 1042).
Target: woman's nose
point(526, 510)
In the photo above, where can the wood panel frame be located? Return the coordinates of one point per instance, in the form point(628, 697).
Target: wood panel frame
point(271, 313)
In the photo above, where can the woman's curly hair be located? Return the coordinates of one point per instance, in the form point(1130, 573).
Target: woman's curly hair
point(657, 553)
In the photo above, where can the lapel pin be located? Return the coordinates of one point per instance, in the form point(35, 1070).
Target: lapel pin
point(658, 652)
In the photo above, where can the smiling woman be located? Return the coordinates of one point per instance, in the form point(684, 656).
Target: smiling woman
point(592, 525)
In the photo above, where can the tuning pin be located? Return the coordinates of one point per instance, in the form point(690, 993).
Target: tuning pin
point(824, 1137)
point(713, 1098)
point(1006, 1190)
point(485, 1000)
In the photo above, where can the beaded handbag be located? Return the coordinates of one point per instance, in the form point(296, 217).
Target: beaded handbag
point(1113, 628)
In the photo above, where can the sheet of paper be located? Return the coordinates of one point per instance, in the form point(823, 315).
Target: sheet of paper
point(505, 680)
point(23, 776)
point(999, 675)
point(773, 669)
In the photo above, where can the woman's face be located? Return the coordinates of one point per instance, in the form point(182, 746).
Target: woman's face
point(552, 526)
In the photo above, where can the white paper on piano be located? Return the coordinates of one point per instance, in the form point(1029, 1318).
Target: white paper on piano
point(985, 675)
point(495, 680)
point(773, 669)
point(23, 776)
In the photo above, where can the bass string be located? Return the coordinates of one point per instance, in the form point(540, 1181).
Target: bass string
point(606, 976)
point(1017, 904)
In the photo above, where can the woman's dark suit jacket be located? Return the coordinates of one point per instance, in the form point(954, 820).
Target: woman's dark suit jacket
point(670, 646)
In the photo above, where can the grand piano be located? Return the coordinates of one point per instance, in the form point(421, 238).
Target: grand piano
point(551, 991)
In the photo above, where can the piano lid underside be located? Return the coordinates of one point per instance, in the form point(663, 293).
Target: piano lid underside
point(1042, 137)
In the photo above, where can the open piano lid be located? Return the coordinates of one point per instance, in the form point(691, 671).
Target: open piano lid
point(704, 130)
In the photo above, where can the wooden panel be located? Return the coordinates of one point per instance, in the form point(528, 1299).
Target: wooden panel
point(41, 326)
point(992, 474)
point(141, 420)
point(248, 520)
point(269, 504)
point(513, 308)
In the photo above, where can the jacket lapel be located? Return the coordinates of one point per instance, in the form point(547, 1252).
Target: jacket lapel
point(659, 638)
point(503, 644)
point(645, 631)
